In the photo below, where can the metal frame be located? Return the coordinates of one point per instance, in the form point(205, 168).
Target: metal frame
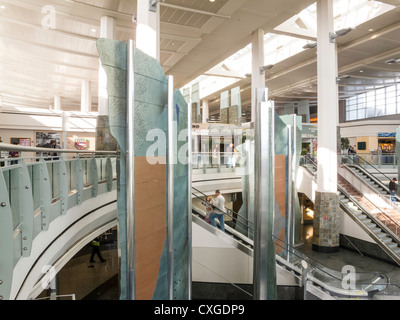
point(172, 153)
point(130, 176)
point(264, 198)
point(45, 195)
point(189, 195)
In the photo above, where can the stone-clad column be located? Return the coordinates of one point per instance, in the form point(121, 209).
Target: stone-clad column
point(326, 218)
point(326, 222)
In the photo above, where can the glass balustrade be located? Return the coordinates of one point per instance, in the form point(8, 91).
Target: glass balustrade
point(37, 190)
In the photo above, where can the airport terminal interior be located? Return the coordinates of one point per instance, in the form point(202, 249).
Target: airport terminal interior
point(199, 150)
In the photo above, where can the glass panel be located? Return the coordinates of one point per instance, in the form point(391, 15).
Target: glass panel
point(13, 192)
point(361, 113)
point(56, 179)
point(99, 162)
point(86, 171)
point(72, 179)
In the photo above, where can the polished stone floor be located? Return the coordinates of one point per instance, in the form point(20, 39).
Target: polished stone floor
point(99, 281)
point(337, 261)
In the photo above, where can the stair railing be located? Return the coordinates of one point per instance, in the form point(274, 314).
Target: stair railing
point(236, 217)
point(371, 175)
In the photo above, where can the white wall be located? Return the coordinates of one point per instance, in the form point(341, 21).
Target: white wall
point(307, 185)
point(214, 260)
point(368, 128)
point(25, 124)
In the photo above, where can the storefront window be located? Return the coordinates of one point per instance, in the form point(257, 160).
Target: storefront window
point(387, 145)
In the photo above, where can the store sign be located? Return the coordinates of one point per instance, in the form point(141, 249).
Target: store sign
point(386, 135)
point(81, 144)
point(200, 126)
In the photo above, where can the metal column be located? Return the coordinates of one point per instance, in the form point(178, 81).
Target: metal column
point(172, 154)
point(290, 214)
point(292, 152)
point(130, 177)
point(189, 164)
point(264, 250)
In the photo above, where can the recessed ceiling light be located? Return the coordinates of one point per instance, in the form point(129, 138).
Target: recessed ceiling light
point(93, 30)
point(2, 6)
point(212, 0)
point(370, 30)
point(393, 61)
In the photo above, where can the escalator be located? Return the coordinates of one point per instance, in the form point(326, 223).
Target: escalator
point(359, 169)
point(297, 269)
point(380, 226)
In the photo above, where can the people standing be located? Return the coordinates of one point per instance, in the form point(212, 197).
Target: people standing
point(54, 145)
point(230, 151)
point(219, 210)
point(14, 154)
point(392, 189)
point(216, 155)
point(209, 204)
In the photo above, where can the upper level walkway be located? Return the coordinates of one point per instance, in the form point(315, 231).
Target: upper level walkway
point(51, 206)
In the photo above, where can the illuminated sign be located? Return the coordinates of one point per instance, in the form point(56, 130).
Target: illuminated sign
point(81, 143)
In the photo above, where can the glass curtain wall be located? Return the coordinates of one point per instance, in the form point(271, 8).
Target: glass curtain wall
point(380, 102)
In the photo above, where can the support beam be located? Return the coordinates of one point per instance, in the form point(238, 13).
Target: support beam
point(57, 103)
point(326, 219)
point(264, 265)
point(148, 29)
point(205, 113)
point(327, 100)
point(106, 31)
point(257, 79)
point(86, 96)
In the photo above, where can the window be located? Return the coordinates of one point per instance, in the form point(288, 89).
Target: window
point(376, 103)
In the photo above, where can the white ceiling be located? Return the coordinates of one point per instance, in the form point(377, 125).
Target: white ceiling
point(37, 64)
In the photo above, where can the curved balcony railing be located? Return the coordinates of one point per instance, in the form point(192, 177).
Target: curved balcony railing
point(345, 284)
point(35, 191)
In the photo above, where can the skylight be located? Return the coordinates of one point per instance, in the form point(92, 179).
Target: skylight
point(300, 30)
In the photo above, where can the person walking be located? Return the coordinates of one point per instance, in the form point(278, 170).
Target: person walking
point(96, 250)
point(392, 189)
point(219, 211)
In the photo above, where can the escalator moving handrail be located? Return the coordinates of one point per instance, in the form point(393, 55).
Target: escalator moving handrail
point(360, 207)
point(233, 218)
point(248, 221)
point(370, 164)
point(354, 200)
point(315, 263)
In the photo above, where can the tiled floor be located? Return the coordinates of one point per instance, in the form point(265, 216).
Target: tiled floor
point(344, 257)
point(101, 282)
point(83, 278)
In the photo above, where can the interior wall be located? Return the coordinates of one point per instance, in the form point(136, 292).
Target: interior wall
point(7, 134)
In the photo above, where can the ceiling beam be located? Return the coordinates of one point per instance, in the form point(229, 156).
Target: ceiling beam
point(168, 5)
